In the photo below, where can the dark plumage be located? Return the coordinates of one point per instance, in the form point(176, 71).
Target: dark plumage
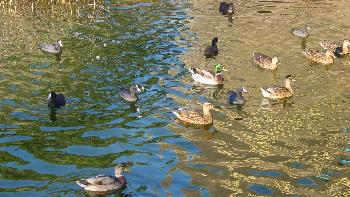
point(56, 100)
point(212, 50)
point(131, 94)
point(339, 52)
point(226, 8)
point(236, 97)
point(52, 48)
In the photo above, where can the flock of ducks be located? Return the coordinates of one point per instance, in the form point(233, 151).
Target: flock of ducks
point(330, 50)
point(103, 183)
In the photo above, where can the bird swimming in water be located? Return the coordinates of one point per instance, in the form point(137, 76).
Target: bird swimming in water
point(195, 117)
point(279, 92)
point(212, 50)
point(55, 100)
point(52, 48)
point(303, 32)
point(131, 94)
point(236, 97)
point(104, 183)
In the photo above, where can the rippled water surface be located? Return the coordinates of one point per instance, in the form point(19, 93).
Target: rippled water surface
point(296, 148)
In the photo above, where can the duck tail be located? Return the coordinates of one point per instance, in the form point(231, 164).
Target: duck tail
point(192, 70)
point(82, 183)
point(264, 92)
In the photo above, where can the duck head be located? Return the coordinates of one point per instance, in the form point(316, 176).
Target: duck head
point(275, 60)
point(219, 68)
point(242, 89)
point(60, 43)
point(215, 41)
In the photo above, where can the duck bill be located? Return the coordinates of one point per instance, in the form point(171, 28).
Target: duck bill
point(224, 69)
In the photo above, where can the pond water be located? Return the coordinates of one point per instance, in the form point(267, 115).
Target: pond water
point(297, 148)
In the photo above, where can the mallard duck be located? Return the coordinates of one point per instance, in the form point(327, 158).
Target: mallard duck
point(265, 61)
point(52, 48)
point(206, 77)
point(195, 117)
point(236, 97)
point(329, 45)
point(324, 58)
point(212, 50)
point(131, 94)
point(226, 8)
point(104, 183)
point(56, 100)
point(279, 92)
point(303, 32)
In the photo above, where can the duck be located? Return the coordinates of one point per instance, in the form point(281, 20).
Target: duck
point(212, 50)
point(226, 8)
point(131, 94)
point(104, 183)
point(205, 77)
point(330, 45)
point(195, 117)
point(55, 100)
point(324, 58)
point(279, 92)
point(264, 61)
point(303, 32)
point(52, 48)
point(236, 97)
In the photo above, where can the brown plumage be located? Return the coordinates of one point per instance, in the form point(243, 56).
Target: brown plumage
point(279, 92)
point(324, 58)
point(194, 116)
point(330, 45)
point(265, 61)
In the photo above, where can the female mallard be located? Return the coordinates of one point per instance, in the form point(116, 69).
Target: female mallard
point(303, 32)
point(52, 48)
point(195, 117)
point(236, 97)
point(212, 50)
point(324, 58)
point(104, 183)
point(206, 77)
point(332, 46)
point(265, 61)
point(279, 92)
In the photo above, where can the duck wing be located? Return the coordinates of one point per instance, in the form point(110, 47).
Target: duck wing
point(261, 59)
point(60, 100)
point(51, 48)
point(205, 73)
point(211, 51)
point(189, 115)
point(331, 45)
point(99, 180)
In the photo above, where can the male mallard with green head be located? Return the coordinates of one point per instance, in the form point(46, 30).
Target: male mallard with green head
point(205, 77)
point(194, 116)
point(324, 58)
point(265, 61)
point(279, 92)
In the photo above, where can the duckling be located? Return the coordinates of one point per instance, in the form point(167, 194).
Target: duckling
point(324, 58)
point(279, 92)
point(104, 183)
point(265, 61)
point(303, 32)
point(329, 45)
point(236, 97)
point(206, 77)
point(131, 94)
point(195, 117)
point(56, 100)
point(212, 50)
point(52, 48)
